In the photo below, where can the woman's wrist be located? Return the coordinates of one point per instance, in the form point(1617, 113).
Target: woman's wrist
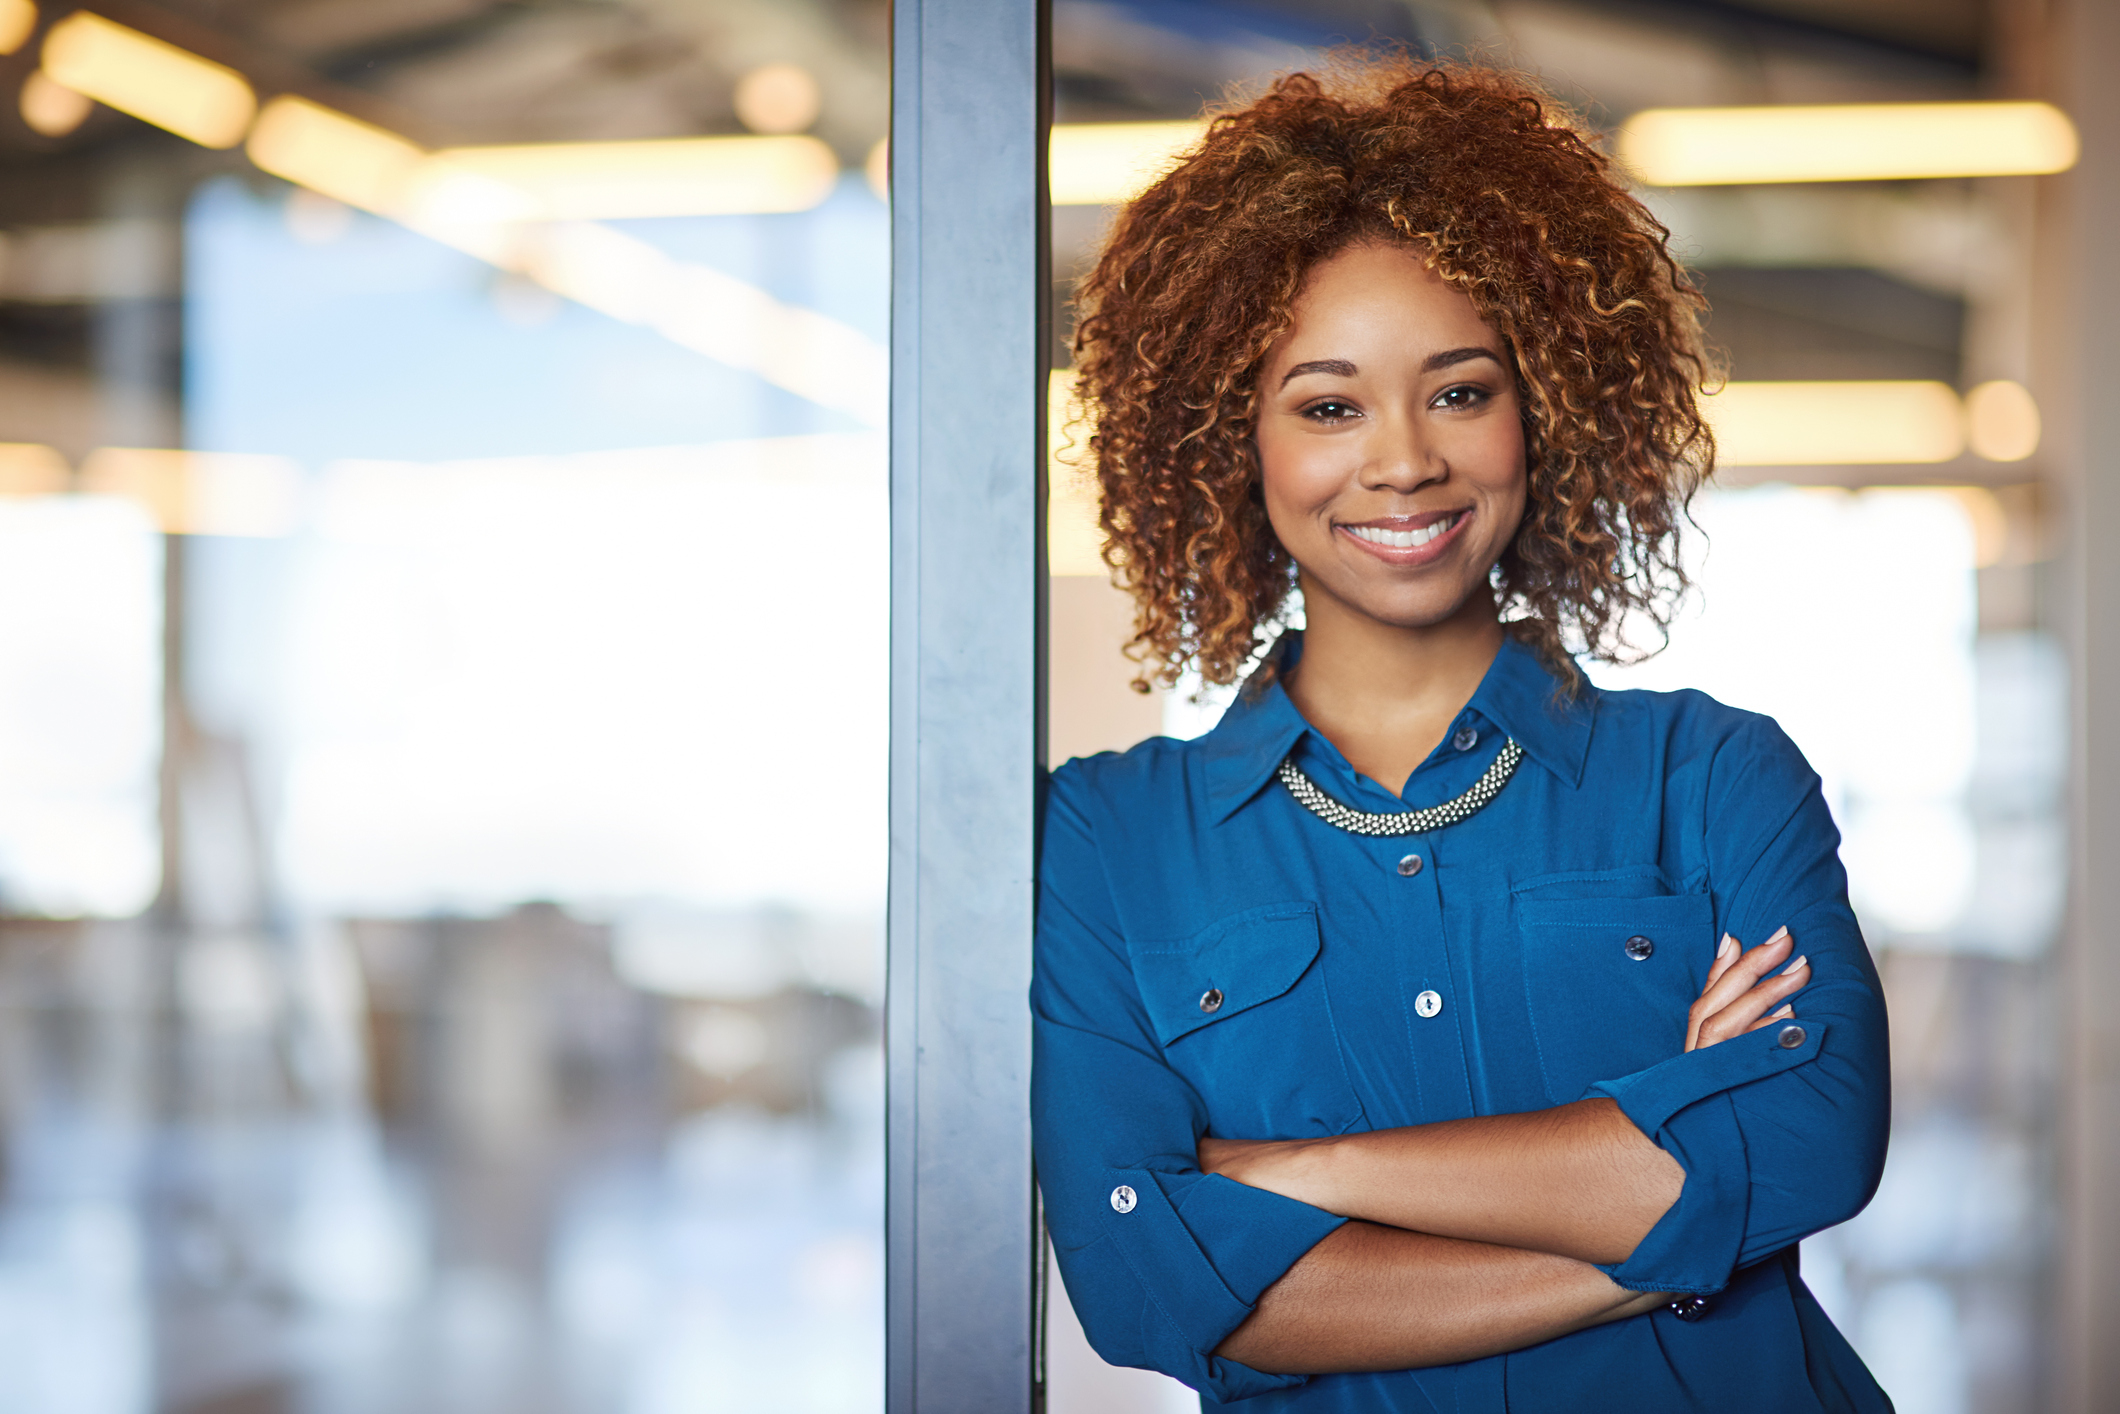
point(1302, 1169)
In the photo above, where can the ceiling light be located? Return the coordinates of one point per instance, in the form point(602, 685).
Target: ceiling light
point(1101, 164)
point(777, 98)
point(2002, 421)
point(51, 108)
point(155, 82)
point(334, 154)
point(18, 21)
point(700, 176)
point(494, 203)
point(1855, 142)
point(1834, 424)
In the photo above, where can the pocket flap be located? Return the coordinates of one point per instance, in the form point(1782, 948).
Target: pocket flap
point(1248, 958)
point(1682, 914)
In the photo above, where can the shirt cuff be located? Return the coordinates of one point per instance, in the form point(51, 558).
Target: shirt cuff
point(1683, 1105)
point(1204, 1260)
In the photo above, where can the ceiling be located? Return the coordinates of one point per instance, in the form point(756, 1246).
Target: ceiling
point(451, 72)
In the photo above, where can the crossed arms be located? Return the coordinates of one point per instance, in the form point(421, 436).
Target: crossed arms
point(1477, 1236)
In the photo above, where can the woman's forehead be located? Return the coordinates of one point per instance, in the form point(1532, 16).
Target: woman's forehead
point(1379, 297)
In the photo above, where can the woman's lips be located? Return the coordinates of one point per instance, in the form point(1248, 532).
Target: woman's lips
point(1407, 540)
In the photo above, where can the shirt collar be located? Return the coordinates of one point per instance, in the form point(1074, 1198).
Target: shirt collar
point(1518, 695)
point(1260, 727)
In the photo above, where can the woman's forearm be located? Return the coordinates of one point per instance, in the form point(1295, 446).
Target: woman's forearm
point(1579, 1181)
point(1379, 1298)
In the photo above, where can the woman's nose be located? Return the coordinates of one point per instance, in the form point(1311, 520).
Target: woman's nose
point(1403, 458)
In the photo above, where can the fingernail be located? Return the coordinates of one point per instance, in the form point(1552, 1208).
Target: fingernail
point(1779, 934)
point(1794, 965)
point(1729, 945)
point(1785, 1011)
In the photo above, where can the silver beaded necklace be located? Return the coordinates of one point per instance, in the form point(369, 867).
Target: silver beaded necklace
point(1404, 822)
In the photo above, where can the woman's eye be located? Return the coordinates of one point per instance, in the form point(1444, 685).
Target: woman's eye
point(1462, 395)
point(1331, 410)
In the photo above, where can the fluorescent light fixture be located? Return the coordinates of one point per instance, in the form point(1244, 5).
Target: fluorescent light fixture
point(807, 353)
point(200, 493)
point(1853, 142)
point(18, 21)
point(155, 82)
point(1835, 424)
point(610, 181)
point(32, 469)
point(497, 203)
point(2002, 421)
point(334, 154)
point(1102, 164)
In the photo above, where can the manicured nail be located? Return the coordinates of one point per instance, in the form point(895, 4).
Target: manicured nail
point(1794, 965)
point(1779, 934)
point(1786, 1011)
point(1729, 945)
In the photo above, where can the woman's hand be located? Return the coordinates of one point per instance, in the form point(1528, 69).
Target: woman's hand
point(1744, 990)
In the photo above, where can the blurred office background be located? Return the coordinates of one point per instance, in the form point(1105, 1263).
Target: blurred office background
point(442, 729)
point(442, 669)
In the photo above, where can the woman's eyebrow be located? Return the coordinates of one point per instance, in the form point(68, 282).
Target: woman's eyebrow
point(1450, 356)
point(1341, 368)
point(1338, 367)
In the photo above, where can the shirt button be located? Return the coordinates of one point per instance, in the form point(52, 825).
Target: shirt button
point(1410, 865)
point(1211, 1000)
point(1428, 1003)
point(1123, 1199)
point(1790, 1038)
point(1639, 947)
point(1466, 739)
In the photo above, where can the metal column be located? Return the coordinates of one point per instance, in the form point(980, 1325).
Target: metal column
point(969, 310)
point(2082, 357)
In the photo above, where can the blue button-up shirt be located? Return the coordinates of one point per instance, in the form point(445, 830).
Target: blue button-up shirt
point(1181, 870)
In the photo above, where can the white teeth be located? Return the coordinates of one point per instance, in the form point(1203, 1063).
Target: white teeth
point(1402, 539)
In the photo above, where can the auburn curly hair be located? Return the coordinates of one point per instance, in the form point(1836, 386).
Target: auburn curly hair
point(1512, 203)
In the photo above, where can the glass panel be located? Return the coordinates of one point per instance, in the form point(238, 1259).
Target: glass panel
point(1905, 637)
point(443, 667)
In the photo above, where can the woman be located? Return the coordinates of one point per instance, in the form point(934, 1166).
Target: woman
point(1396, 1046)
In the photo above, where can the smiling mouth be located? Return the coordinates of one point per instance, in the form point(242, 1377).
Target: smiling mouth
point(1411, 539)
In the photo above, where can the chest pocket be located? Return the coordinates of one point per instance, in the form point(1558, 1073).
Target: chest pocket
point(1609, 981)
point(1241, 1011)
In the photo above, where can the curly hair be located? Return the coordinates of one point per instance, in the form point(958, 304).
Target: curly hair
point(1510, 202)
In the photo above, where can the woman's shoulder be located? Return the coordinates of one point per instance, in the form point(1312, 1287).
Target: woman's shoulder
point(1687, 722)
point(1122, 805)
point(1143, 772)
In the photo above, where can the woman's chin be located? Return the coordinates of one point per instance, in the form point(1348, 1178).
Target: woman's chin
point(1396, 612)
point(1429, 600)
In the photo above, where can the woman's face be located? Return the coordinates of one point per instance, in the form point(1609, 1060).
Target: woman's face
point(1390, 441)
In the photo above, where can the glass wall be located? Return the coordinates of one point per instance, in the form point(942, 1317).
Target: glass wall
point(442, 706)
point(1886, 595)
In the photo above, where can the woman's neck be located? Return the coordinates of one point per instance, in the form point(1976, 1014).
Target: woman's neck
point(1383, 694)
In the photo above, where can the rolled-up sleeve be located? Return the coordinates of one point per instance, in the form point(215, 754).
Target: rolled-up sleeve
point(1781, 1132)
point(1161, 1261)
